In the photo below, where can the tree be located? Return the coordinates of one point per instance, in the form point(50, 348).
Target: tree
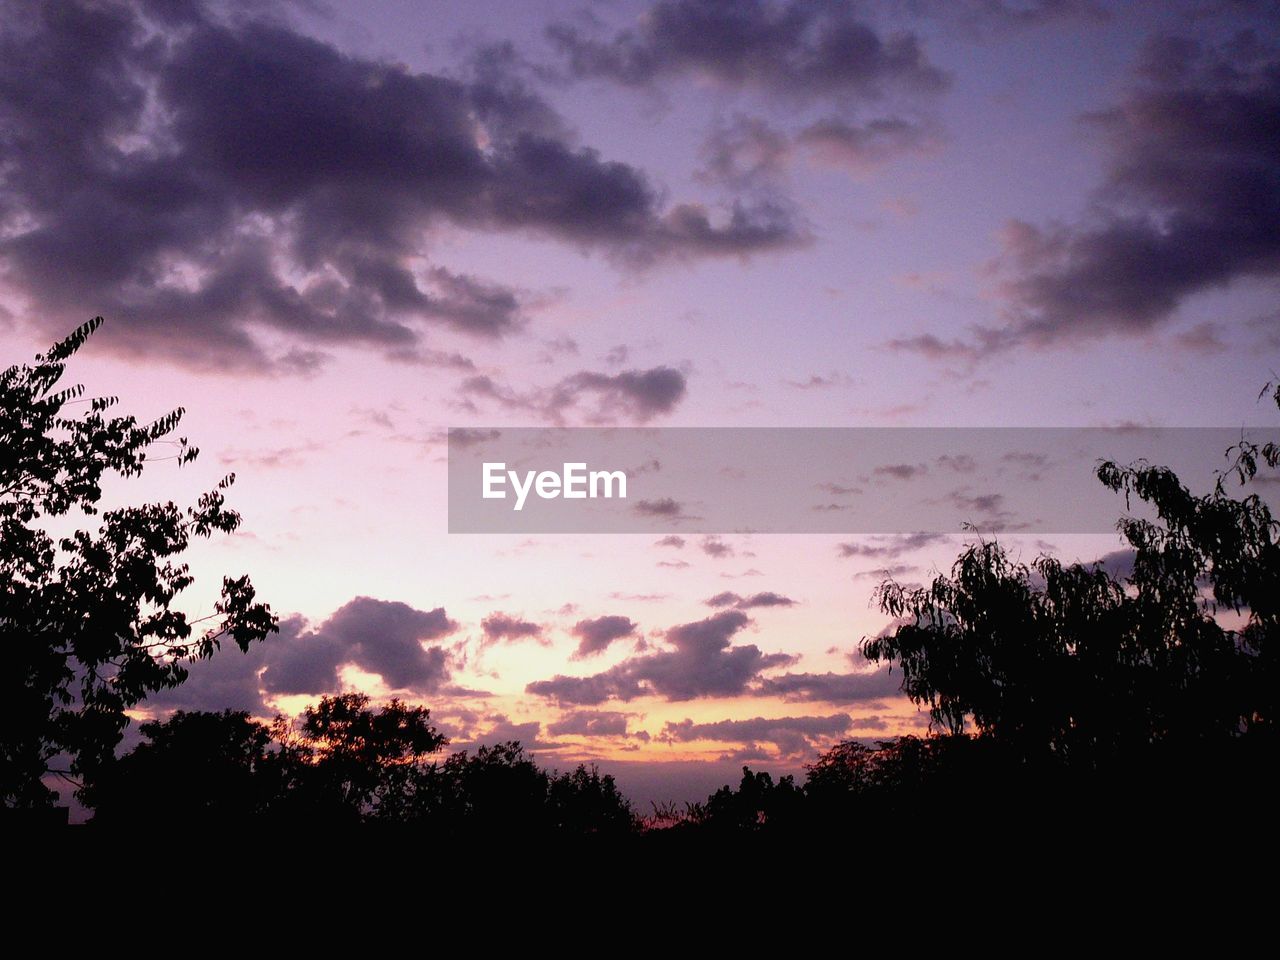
point(1069, 665)
point(586, 801)
point(193, 768)
point(87, 622)
point(346, 761)
point(758, 804)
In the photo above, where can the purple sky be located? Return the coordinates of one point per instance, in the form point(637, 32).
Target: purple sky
point(333, 230)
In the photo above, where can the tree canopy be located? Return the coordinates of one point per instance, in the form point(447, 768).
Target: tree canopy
point(1073, 663)
point(345, 762)
point(88, 625)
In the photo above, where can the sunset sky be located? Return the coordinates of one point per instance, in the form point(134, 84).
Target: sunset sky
point(331, 231)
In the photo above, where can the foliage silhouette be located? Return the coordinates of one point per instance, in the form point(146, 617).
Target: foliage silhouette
point(1058, 693)
point(347, 763)
point(193, 768)
point(1070, 665)
point(87, 626)
point(1063, 694)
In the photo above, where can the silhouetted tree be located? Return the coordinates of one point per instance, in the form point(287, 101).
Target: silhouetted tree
point(586, 801)
point(346, 761)
point(500, 789)
point(1067, 665)
point(87, 626)
point(758, 804)
point(193, 768)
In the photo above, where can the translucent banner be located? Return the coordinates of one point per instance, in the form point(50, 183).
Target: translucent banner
point(815, 480)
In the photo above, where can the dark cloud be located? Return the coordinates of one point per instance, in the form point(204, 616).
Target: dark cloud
point(893, 572)
point(637, 396)
point(791, 735)
point(701, 663)
point(989, 503)
point(229, 679)
point(664, 507)
point(501, 626)
point(764, 599)
point(595, 635)
point(464, 437)
point(839, 688)
point(377, 636)
point(502, 729)
point(202, 177)
point(671, 541)
point(713, 546)
point(595, 723)
point(901, 471)
point(890, 547)
point(794, 47)
point(1191, 203)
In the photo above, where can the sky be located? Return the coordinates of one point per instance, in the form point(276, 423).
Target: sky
point(331, 231)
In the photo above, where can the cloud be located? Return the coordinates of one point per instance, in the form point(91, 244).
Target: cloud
point(745, 153)
point(713, 546)
point(209, 178)
point(595, 635)
point(1118, 563)
point(764, 599)
point(638, 395)
point(901, 471)
point(228, 680)
point(803, 50)
point(1191, 203)
point(377, 636)
point(595, 723)
point(502, 729)
point(501, 626)
point(817, 381)
point(791, 735)
point(893, 572)
point(701, 663)
point(989, 503)
point(839, 688)
point(890, 547)
point(866, 146)
point(1204, 337)
point(634, 395)
point(671, 541)
point(664, 507)
point(464, 437)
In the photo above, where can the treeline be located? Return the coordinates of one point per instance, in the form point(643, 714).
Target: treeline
point(1058, 693)
point(345, 763)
